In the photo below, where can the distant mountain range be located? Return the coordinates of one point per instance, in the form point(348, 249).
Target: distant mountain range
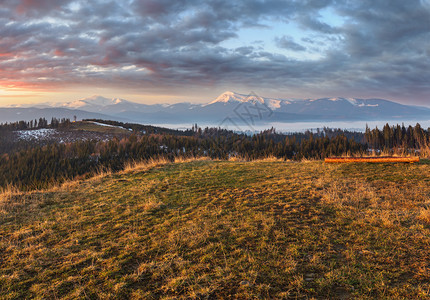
point(228, 107)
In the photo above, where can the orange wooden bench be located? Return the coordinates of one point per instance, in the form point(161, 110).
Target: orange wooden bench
point(380, 159)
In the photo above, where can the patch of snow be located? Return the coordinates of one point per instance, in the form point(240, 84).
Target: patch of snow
point(105, 125)
point(273, 104)
point(74, 104)
point(368, 105)
point(352, 101)
point(108, 125)
point(42, 133)
point(335, 99)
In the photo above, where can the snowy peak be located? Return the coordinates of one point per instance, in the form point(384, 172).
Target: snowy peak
point(274, 103)
point(232, 97)
point(229, 97)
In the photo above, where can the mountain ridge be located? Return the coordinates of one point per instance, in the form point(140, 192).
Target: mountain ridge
point(233, 106)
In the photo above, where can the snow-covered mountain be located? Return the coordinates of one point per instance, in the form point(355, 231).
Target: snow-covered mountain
point(328, 108)
point(232, 97)
point(99, 104)
point(92, 102)
point(229, 105)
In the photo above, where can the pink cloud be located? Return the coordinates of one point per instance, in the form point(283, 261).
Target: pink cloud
point(26, 6)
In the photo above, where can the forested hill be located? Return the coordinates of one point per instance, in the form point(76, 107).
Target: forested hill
point(39, 162)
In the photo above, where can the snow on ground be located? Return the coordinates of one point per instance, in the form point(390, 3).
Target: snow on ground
point(107, 125)
point(42, 133)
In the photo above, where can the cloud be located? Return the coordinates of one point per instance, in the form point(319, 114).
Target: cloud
point(289, 44)
point(378, 48)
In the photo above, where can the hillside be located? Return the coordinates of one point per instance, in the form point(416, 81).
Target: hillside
point(266, 229)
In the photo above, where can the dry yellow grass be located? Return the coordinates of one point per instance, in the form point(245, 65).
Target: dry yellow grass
point(192, 158)
point(205, 229)
point(424, 215)
point(7, 198)
point(143, 165)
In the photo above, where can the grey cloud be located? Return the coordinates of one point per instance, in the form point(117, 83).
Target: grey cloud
point(245, 50)
point(312, 22)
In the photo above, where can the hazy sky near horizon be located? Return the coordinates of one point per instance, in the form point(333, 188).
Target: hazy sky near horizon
point(192, 50)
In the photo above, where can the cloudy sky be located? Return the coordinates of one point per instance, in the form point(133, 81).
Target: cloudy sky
point(192, 50)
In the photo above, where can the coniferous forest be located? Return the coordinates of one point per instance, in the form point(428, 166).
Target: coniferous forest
point(31, 165)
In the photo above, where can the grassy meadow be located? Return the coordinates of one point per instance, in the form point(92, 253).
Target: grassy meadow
point(95, 127)
point(215, 229)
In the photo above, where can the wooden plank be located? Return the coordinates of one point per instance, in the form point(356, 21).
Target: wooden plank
point(381, 159)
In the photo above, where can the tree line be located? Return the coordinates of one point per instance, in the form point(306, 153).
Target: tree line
point(39, 166)
point(398, 139)
point(36, 124)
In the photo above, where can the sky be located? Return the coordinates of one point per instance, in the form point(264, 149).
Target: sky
point(158, 51)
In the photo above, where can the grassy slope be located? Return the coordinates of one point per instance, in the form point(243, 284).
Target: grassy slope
point(225, 229)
